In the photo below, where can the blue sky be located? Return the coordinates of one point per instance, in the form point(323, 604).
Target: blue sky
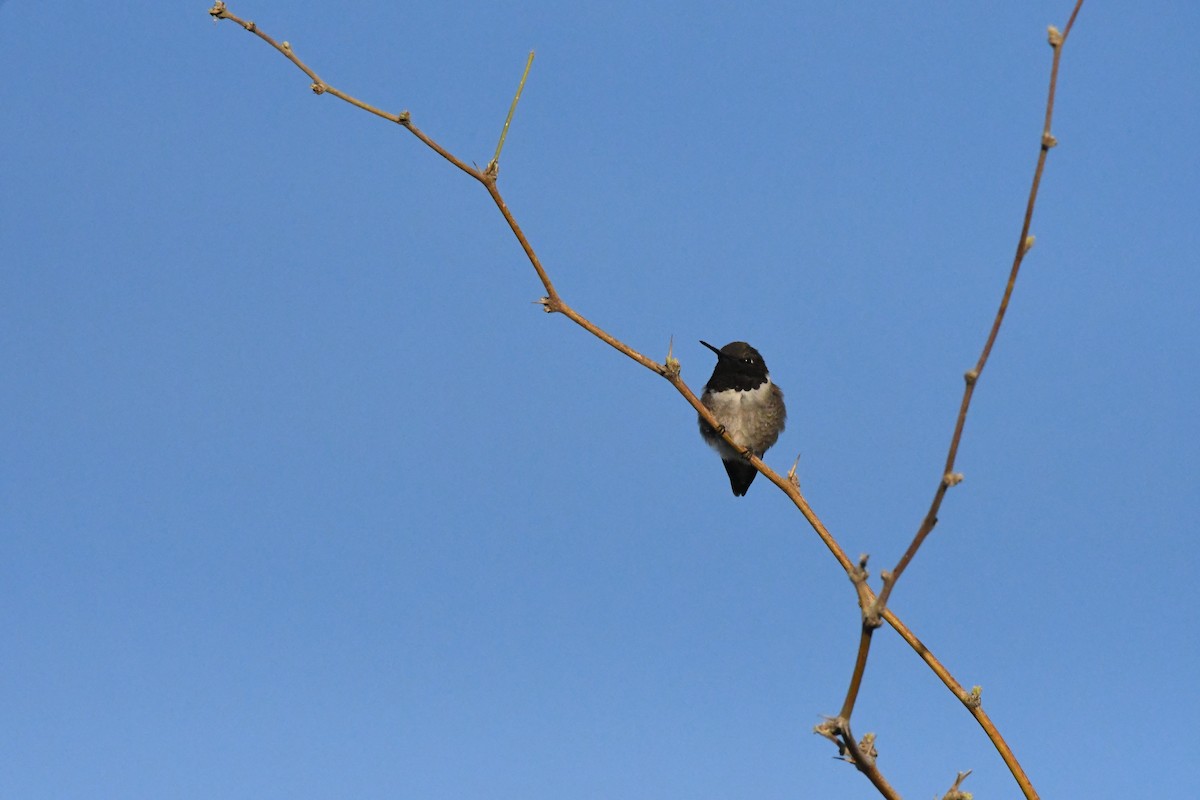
point(301, 496)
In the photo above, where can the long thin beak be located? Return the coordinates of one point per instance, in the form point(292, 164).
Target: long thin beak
point(710, 347)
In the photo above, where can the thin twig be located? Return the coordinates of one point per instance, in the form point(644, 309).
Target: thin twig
point(219, 11)
point(949, 477)
point(494, 165)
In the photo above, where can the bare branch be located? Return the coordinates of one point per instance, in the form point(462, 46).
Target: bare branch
point(1025, 242)
point(219, 11)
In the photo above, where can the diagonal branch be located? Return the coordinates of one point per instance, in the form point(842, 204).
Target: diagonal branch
point(949, 477)
point(219, 11)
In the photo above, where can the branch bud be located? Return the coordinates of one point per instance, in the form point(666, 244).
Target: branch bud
point(867, 746)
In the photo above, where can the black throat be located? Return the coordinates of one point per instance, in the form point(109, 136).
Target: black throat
point(725, 378)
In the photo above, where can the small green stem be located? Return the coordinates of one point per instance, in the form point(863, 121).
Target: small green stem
point(512, 109)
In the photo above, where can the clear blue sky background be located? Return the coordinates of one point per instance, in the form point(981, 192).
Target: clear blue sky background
point(301, 495)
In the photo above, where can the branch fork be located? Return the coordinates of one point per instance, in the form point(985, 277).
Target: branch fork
point(873, 607)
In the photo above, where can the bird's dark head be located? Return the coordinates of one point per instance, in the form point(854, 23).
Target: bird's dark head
point(739, 366)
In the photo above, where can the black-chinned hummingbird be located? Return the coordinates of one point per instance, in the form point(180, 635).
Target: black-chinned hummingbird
point(748, 406)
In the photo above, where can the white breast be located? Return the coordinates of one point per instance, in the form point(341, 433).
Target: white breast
point(738, 412)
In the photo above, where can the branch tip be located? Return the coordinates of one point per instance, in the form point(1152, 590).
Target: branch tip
point(1054, 36)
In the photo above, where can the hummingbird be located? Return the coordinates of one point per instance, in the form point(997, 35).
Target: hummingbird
point(748, 406)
